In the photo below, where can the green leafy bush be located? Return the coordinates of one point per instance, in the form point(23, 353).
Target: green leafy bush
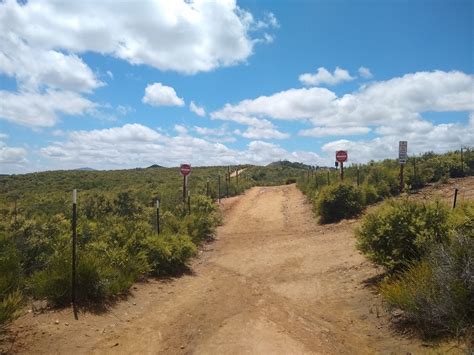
point(11, 277)
point(10, 308)
point(400, 231)
point(337, 202)
point(369, 194)
point(438, 292)
point(168, 254)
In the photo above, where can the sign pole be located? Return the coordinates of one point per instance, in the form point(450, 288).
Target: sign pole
point(402, 159)
point(158, 216)
point(189, 202)
point(227, 178)
point(342, 171)
point(74, 242)
point(455, 197)
point(401, 178)
point(184, 188)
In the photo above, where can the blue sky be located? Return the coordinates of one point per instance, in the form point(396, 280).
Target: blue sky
point(110, 86)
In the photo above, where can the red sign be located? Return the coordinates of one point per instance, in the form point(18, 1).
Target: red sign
point(185, 169)
point(341, 156)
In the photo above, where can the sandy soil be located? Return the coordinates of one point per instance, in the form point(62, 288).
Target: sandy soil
point(273, 282)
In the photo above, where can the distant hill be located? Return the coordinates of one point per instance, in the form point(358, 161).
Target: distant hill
point(154, 166)
point(86, 169)
point(290, 164)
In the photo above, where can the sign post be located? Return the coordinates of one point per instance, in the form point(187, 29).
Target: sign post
point(341, 157)
point(74, 242)
point(185, 170)
point(158, 216)
point(402, 159)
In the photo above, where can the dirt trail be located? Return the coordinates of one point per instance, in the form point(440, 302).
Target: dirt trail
point(235, 172)
point(274, 282)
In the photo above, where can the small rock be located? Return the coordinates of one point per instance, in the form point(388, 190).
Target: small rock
point(56, 322)
point(182, 346)
point(397, 313)
point(134, 303)
point(66, 324)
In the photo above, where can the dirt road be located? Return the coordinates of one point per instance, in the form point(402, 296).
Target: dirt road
point(274, 282)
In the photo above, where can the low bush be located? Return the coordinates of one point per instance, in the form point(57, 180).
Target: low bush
point(369, 194)
point(400, 231)
point(437, 294)
point(10, 308)
point(10, 281)
point(337, 202)
point(169, 254)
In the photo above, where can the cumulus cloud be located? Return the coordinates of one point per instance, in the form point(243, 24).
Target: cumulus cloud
point(158, 94)
point(365, 73)
point(125, 146)
point(333, 131)
point(198, 110)
point(394, 104)
point(323, 76)
point(11, 158)
point(184, 36)
point(264, 133)
point(36, 68)
point(292, 104)
point(34, 109)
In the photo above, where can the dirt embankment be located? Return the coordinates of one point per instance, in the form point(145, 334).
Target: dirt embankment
point(273, 282)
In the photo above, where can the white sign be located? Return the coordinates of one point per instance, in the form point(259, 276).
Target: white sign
point(402, 152)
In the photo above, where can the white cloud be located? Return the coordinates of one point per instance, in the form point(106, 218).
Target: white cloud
point(206, 131)
point(333, 131)
point(110, 74)
point(41, 110)
point(158, 94)
point(184, 36)
point(292, 104)
point(264, 133)
point(198, 110)
point(11, 158)
point(36, 68)
point(181, 130)
point(323, 76)
point(365, 73)
point(438, 138)
point(118, 148)
point(385, 104)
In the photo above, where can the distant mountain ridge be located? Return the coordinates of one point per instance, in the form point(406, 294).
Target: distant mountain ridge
point(155, 166)
point(290, 164)
point(86, 169)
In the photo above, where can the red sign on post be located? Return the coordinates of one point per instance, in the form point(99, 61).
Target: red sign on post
point(185, 169)
point(341, 156)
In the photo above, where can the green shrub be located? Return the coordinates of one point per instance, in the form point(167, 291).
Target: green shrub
point(438, 292)
point(55, 282)
point(337, 202)
point(169, 254)
point(400, 231)
point(11, 279)
point(369, 194)
point(10, 308)
point(384, 180)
